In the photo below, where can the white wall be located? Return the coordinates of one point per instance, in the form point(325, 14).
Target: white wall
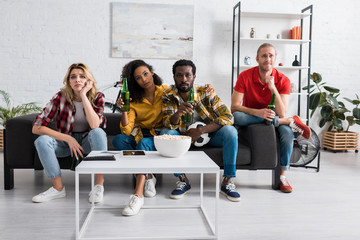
point(39, 39)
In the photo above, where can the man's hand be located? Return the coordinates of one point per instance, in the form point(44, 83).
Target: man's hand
point(185, 107)
point(270, 82)
point(209, 88)
point(194, 133)
point(265, 113)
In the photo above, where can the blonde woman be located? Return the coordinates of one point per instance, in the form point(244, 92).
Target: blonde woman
point(78, 110)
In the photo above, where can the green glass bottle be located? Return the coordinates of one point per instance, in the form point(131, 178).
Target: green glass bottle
point(189, 117)
point(272, 107)
point(125, 96)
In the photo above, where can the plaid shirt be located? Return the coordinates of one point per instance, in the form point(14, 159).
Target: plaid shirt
point(64, 112)
point(208, 105)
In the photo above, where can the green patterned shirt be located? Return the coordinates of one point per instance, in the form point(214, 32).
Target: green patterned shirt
point(208, 106)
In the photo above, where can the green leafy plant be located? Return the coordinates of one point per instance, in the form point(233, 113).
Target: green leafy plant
point(10, 111)
point(355, 118)
point(331, 109)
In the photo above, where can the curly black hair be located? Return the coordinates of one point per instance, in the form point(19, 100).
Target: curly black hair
point(137, 92)
point(184, 62)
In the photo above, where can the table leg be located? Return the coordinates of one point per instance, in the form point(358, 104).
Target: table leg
point(77, 204)
point(201, 188)
point(92, 186)
point(217, 204)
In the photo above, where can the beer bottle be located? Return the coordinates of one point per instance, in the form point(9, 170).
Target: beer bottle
point(272, 107)
point(125, 96)
point(189, 117)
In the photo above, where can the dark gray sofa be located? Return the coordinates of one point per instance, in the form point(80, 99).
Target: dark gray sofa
point(258, 148)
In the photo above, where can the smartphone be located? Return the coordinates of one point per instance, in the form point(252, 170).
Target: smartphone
point(133, 153)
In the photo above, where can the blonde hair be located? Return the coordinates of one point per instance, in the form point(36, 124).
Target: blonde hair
point(69, 92)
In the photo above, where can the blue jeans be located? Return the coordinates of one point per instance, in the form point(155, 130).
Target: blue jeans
point(226, 137)
point(49, 149)
point(124, 142)
point(285, 133)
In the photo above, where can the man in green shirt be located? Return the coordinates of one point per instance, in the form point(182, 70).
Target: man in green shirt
point(208, 108)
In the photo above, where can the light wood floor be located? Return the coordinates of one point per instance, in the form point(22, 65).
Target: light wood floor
point(324, 205)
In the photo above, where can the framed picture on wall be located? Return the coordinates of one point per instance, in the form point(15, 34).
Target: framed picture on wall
point(162, 31)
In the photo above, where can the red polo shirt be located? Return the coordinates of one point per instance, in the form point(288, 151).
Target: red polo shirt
point(256, 94)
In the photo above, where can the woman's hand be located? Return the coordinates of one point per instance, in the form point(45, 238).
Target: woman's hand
point(75, 148)
point(120, 102)
point(88, 85)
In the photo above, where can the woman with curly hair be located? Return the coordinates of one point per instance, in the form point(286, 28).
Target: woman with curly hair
point(141, 124)
point(78, 110)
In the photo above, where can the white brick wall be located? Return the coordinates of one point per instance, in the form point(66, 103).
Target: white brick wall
point(39, 39)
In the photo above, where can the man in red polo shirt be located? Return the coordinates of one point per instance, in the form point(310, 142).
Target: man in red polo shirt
point(253, 91)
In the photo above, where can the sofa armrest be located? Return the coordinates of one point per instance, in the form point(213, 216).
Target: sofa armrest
point(19, 139)
point(263, 144)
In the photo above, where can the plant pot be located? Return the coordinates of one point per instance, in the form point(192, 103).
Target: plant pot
point(340, 141)
point(2, 139)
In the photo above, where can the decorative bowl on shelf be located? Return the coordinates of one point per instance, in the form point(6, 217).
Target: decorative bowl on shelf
point(172, 145)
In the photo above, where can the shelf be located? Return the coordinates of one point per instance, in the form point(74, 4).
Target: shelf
point(277, 67)
point(275, 41)
point(275, 15)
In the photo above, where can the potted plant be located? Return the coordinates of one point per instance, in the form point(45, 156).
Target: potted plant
point(8, 111)
point(333, 111)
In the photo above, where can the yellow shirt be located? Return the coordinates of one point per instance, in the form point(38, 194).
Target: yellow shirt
point(145, 115)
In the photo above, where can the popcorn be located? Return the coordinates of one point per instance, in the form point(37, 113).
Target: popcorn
point(172, 137)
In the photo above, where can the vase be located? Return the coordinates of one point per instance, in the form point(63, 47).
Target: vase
point(252, 33)
point(247, 60)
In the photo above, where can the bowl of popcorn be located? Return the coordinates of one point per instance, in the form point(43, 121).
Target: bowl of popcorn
point(172, 145)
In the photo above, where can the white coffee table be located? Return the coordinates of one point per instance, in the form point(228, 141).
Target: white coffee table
point(192, 162)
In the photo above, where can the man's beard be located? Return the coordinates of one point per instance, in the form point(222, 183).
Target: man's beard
point(265, 68)
point(184, 90)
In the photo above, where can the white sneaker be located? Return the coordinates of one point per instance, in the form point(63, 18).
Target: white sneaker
point(149, 188)
point(97, 194)
point(49, 194)
point(134, 206)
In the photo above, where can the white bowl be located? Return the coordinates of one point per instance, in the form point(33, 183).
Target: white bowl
point(172, 145)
